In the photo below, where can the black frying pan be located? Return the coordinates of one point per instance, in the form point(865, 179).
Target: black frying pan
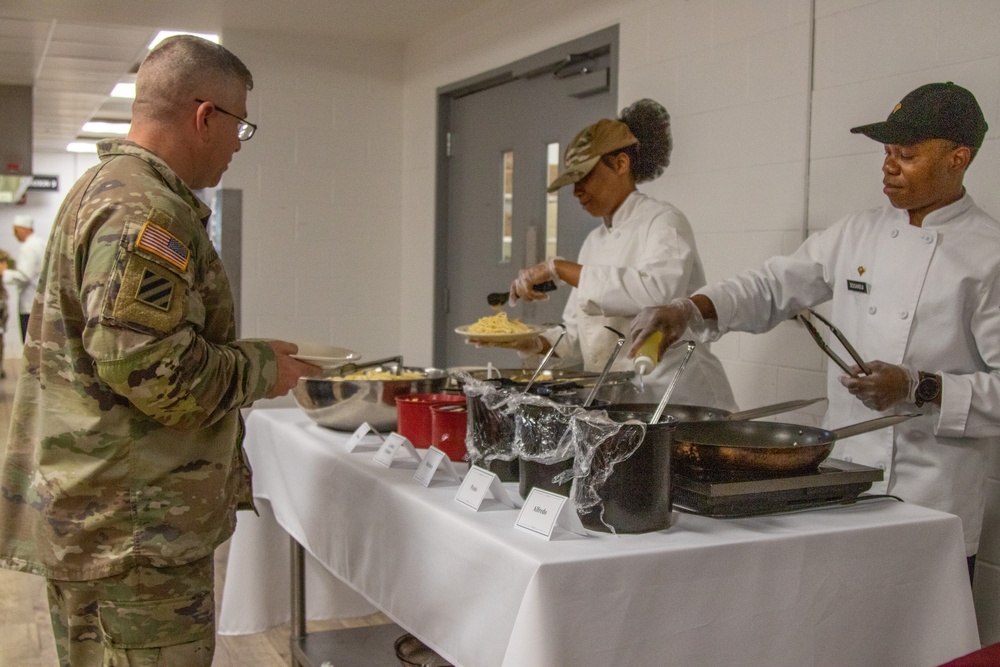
point(711, 448)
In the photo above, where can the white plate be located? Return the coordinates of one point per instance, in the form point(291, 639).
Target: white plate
point(325, 355)
point(535, 329)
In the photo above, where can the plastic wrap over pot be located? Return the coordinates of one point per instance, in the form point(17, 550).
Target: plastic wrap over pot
point(490, 432)
point(621, 475)
point(542, 428)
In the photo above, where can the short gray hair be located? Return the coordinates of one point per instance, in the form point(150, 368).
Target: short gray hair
point(180, 69)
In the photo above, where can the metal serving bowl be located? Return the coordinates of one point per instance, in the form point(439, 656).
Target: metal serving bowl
point(345, 405)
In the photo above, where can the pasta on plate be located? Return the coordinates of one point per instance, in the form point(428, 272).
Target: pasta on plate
point(498, 324)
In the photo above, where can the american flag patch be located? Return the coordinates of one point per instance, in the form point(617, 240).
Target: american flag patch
point(163, 244)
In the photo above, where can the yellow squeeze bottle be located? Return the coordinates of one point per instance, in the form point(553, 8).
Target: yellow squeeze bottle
point(645, 359)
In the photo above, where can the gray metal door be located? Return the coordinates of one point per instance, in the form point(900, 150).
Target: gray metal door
point(503, 136)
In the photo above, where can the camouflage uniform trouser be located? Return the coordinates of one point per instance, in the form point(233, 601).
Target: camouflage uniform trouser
point(162, 617)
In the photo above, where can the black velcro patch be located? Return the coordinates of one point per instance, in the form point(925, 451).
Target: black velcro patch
point(155, 290)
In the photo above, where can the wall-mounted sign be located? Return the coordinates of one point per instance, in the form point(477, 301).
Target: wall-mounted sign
point(50, 183)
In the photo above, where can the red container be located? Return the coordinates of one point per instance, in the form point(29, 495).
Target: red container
point(414, 415)
point(448, 425)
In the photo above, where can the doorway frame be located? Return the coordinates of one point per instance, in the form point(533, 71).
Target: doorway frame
point(533, 65)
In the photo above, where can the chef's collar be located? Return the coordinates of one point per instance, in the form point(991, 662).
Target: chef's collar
point(946, 214)
point(623, 211)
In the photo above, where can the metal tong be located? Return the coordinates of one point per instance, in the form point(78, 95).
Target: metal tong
point(826, 348)
point(670, 388)
point(500, 298)
point(351, 367)
point(607, 366)
point(545, 359)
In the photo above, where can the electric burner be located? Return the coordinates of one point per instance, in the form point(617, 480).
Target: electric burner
point(834, 483)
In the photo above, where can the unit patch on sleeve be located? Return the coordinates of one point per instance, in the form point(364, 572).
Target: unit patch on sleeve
point(150, 295)
point(155, 290)
point(160, 242)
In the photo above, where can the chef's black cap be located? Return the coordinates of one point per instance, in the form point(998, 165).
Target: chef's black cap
point(932, 111)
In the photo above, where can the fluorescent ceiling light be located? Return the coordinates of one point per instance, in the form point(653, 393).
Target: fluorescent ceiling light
point(163, 34)
point(82, 147)
point(123, 90)
point(102, 128)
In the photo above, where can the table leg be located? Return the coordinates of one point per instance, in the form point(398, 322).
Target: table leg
point(298, 630)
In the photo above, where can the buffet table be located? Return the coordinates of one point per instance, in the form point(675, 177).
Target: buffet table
point(876, 583)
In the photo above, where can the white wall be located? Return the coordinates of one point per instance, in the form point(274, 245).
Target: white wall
point(321, 183)
point(42, 206)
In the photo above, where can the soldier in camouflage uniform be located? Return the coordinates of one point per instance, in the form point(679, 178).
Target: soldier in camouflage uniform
point(124, 467)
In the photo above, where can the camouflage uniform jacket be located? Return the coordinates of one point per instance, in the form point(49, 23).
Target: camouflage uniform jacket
point(125, 441)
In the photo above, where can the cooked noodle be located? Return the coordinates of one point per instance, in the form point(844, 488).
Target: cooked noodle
point(498, 324)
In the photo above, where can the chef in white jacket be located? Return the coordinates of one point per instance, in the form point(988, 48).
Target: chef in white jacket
point(915, 287)
point(643, 253)
point(24, 277)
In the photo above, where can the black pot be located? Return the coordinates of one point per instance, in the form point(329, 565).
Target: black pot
point(533, 473)
point(506, 471)
point(637, 496)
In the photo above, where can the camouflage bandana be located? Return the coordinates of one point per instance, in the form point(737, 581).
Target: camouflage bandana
point(586, 149)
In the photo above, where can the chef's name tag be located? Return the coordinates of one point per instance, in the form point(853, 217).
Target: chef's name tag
point(857, 286)
point(436, 463)
point(364, 435)
point(477, 483)
point(544, 510)
point(394, 442)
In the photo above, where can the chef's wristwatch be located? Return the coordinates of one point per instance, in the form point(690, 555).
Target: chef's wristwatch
point(928, 388)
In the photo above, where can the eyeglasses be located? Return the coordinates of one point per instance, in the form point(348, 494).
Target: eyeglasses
point(244, 130)
point(826, 348)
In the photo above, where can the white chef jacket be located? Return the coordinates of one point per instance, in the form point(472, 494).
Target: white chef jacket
point(24, 277)
point(927, 297)
point(646, 258)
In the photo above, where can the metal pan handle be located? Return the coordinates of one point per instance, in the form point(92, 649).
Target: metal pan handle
point(871, 425)
point(775, 409)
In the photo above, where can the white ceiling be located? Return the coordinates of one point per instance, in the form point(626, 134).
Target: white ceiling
point(73, 52)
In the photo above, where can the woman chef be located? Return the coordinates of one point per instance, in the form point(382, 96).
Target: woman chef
point(642, 254)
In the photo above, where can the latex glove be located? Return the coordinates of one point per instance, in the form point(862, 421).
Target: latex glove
point(523, 285)
point(671, 320)
point(886, 385)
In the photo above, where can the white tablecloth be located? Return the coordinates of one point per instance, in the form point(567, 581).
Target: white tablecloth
point(881, 583)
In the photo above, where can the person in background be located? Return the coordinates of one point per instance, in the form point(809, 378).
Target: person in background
point(124, 465)
point(642, 253)
point(6, 262)
point(915, 287)
point(24, 278)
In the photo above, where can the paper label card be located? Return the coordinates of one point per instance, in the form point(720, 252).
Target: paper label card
point(364, 434)
point(386, 454)
point(544, 510)
point(477, 483)
point(436, 463)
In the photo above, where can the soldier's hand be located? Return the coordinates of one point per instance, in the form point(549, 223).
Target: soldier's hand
point(289, 368)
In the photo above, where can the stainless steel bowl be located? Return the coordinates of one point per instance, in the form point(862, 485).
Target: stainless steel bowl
point(347, 404)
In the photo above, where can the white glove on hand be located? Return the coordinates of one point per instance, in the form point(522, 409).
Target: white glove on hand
point(671, 320)
point(523, 286)
point(886, 385)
